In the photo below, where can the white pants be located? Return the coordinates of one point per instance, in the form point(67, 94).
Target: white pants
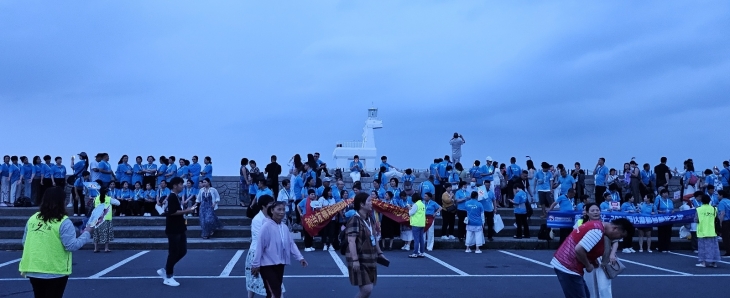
point(393, 173)
point(5, 190)
point(355, 176)
point(14, 191)
point(598, 284)
point(428, 236)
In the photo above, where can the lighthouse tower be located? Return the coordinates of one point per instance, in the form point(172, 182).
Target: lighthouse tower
point(365, 149)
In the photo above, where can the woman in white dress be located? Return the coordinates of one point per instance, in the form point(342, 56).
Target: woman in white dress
point(255, 285)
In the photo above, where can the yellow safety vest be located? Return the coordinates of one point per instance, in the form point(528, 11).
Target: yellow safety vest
point(706, 227)
point(419, 219)
point(43, 251)
point(107, 204)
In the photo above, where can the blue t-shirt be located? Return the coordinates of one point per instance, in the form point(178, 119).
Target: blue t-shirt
point(79, 167)
point(460, 195)
point(513, 170)
point(14, 171)
point(194, 170)
point(171, 169)
point(28, 170)
point(724, 206)
point(431, 207)
point(543, 180)
point(79, 183)
point(647, 208)
point(663, 205)
point(47, 170)
point(628, 207)
point(106, 178)
point(476, 172)
point(486, 170)
point(488, 201)
point(646, 177)
point(474, 212)
point(725, 177)
point(600, 175)
point(297, 184)
point(121, 172)
point(605, 207)
point(427, 186)
point(208, 169)
point(565, 203)
point(59, 172)
point(580, 206)
point(355, 167)
point(136, 173)
point(519, 202)
point(265, 191)
point(566, 183)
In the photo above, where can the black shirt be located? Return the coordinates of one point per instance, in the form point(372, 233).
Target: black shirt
point(659, 171)
point(274, 170)
point(174, 224)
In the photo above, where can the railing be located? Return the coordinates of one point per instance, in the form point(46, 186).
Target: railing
point(350, 144)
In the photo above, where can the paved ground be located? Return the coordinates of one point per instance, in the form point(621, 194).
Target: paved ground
point(445, 273)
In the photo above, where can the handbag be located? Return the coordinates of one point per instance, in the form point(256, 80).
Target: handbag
point(451, 209)
point(611, 270)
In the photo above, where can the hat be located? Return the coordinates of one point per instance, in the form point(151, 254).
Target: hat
point(83, 154)
point(489, 158)
point(326, 179)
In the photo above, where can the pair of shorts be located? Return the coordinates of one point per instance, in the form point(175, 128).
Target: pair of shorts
point(545, 198)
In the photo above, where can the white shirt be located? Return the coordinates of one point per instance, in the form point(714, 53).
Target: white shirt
point(256, 223)
point(322, 202)
point(285, 196)
point(94, 175)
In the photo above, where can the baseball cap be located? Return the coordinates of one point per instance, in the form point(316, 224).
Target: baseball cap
point(326, 179)
point(83, 154)
point(489, 158)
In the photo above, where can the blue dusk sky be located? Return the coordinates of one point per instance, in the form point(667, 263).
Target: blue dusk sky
point(561, 81)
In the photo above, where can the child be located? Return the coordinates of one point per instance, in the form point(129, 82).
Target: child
point(646, 208)
point(606, 205)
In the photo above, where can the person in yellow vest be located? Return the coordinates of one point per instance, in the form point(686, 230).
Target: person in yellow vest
point(105, 232)
point(708, 249)
point(418, 224)
point(48, 241)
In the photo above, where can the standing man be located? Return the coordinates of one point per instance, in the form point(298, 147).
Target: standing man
point(581, 250)
point(565, 182)
point(600, 173)
point(175, 228)
point(543, 182)
point(489, 202)
point(456, 143)
point(663, 174)
point(580, 182)
point(5, 181)
point(272, 171)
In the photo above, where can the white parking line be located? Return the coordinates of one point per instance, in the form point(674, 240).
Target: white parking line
point(232, 263)
point(117, 265)
point(435, 259)
point(655, 267)
point(526, 259)
point(678, 254)
point(383, 276)
point(9, 263)
point(339, 263)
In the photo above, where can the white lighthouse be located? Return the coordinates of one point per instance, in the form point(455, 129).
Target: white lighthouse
point(365, 149)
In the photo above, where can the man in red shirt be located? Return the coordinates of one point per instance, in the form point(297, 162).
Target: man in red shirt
point(581, 250)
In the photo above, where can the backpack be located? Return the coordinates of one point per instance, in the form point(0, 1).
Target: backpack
point(23, 202)
point(692, 179)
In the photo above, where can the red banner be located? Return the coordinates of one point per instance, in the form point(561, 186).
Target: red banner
point(398, 214)
point(318, 219)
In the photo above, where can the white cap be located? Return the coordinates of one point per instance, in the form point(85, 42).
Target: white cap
point(489, 158)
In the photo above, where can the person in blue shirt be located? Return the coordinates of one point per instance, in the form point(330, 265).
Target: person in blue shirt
point(723, 211)
point(566, 205)
point(208, 169)
point(106, 171)
point(138, 199)
point(646, 208)
point(171, 171)
point(81, 165)
point(124, 170)
point(664, 205)
point(433, 168)
point(489, 203)
point(460, 198)
point(59, 173)
point(600, 173)
point(714, 199)
point(183, 171)
point(724, 174)
point(565, 182)
point(79, 202)
point(302, 208)
point(162, 170)
point(475, 172)
point(46, 174)
point(28, 174)
point(195, 170)
point(475, 223)
point(150, 197)
point(486, 172)
point(520, 201)
point(5, 182)
point(613, 191)
point(263, 189)
point(453, 177)
point(405, 200)
point(432, 209)
point(378, 189)
point(356, 168)
point(393, 187)
point(647, 179)
point(513, 170)
point(14, 178)
point(629, 207)
point(543, 185)
point(606, 205)
point(149, 171)
point(325, 183)
point(389, 229)
point(137, 173)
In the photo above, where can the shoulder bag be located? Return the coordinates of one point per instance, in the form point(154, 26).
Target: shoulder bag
point(611, 270)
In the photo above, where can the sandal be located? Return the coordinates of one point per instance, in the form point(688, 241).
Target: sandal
point(413, 256)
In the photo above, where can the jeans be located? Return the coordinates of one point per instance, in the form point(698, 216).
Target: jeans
point(573, 285)
point(49, 288)
point(418, 242)
point(177, 249)
point(14, 191)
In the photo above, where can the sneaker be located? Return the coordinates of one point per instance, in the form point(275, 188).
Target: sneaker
point(429, 249)
point(408, 247)
point(162, 273)
point(626, 251)
point(76, 214)
point(324, 248)
point(477, 251)
point(69, 205)
point(171, 282)
point(468, 250)
point(649, 251)
point(331, 248)
point(696, 251)
point(452, 237)
point(632, 250)
point(3, 204)
point(700, 265)
point(641, 250)
point(444, 237)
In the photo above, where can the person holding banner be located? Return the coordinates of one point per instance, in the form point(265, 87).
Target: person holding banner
point(646, 208)
point(664, 205)
point(48, 241)
point(363, 251)
point(389, 228)
point(305, 207)
point(565, 202)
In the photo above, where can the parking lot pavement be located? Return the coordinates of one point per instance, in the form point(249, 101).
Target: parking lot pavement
point(444, 273)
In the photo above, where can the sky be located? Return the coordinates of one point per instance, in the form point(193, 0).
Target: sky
point(561, 81)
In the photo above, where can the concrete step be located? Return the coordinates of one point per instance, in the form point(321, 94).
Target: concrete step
point(28, 211)
point(147, 232)
point(244, 243)
point(146, 221)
